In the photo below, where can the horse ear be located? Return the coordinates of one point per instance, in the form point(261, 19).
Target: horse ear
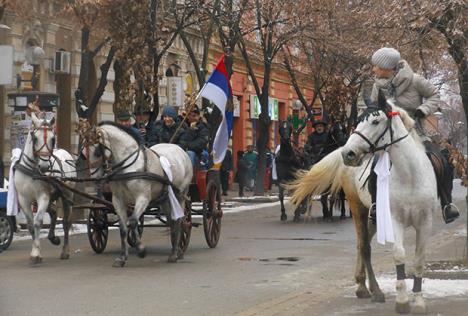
point(36, 121)
point(52, 121)
point(382, 100)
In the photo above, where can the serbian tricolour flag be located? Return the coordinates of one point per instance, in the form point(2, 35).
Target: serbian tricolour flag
point(217, 89)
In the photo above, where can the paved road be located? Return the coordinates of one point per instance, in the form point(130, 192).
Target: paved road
point(260, 267)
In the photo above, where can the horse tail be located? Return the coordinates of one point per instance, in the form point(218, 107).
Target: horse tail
point(321, 178)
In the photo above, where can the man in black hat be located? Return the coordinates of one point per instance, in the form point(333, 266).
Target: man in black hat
point(317, 142)
point(145, 126)
point(196, 136)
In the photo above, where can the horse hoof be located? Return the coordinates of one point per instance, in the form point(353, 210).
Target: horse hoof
point(402, 308)
point(378, 297)
point(36, 260)
point(180, 255)
point(118, 263)
point(65, 256)
point(343, 216)
point(362, 293)
point(54, 240)
point(284, 217)
point(142, 253)
point(419, 306)
point(172, 258)
point(296, 219)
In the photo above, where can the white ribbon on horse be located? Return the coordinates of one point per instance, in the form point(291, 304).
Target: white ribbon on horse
point(176, 210)
point(384, 216)
point(12, 196)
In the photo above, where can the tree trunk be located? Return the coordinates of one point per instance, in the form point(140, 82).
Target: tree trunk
point(263, 129)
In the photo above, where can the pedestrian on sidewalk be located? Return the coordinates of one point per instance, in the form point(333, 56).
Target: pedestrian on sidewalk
point(241, 172)
point(251, 161)
point(226, 167)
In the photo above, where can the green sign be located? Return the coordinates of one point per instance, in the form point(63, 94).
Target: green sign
point(255, 108)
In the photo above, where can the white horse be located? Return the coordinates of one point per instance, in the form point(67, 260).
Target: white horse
point(412, 189)
point(39, 158)
point(133, 179)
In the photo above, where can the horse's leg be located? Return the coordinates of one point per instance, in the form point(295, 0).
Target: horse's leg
point(54, 240)
point(368, 232)
point(341, 199)
point(360, 271)
point(422, 235)
point(332, 205)
point(175, 239)
point(66, 223)
point(42, 205)
point(121, 211)
point(140, 207)
point(402, 305)
point(281, 198)
point(325, 211)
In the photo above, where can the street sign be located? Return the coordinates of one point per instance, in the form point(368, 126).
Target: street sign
point(175, 91)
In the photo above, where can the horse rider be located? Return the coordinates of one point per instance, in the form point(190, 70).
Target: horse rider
point(195, 137)
point(145, 125)
point(419, 98)
point(167, 126)
point(317, 142)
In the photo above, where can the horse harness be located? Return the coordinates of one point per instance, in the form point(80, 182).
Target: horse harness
point(373, 148)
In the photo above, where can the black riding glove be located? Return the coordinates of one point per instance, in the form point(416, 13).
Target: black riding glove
point(419, 114)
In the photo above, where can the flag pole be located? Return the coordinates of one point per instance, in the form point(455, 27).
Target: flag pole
point(192, 103)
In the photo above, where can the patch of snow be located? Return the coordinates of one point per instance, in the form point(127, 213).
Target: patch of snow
point(460, 233)
point(431, 288)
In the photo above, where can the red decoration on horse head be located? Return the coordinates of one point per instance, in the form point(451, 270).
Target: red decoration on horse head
point(392, 114)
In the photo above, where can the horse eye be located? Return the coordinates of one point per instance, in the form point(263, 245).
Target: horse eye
point(375, 122)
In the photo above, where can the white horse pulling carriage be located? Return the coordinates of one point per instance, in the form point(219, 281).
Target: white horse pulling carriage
point(139, 187)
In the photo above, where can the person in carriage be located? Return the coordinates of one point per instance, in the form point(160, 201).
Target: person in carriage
point(419, 98)
point(145, 125)
point(167, 126)
point(195, 137)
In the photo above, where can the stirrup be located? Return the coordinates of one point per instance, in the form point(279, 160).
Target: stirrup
point(454, 210)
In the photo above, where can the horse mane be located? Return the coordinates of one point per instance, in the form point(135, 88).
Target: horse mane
point(130, 131)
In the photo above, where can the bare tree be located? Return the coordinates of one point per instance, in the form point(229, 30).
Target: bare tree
point(272, 30)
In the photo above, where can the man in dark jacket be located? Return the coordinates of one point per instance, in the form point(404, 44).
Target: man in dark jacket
point(167, 126)
point(145, 126)
point(226, 167)
point(317, 142)
point(195, 137)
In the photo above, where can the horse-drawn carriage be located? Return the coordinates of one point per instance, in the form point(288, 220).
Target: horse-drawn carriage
point(145, 182)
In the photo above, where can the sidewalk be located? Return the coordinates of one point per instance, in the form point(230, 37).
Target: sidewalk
point(249, 197)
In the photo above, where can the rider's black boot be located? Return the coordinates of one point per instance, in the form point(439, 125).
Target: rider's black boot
point(444, 177)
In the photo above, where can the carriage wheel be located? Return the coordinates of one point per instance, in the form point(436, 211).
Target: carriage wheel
point(6, 232)
point(186, 227)
point(98, 229)
point(131, 235)
point(212, 214)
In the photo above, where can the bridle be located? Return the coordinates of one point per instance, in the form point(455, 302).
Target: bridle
point(44, 150)
point(373, 146)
